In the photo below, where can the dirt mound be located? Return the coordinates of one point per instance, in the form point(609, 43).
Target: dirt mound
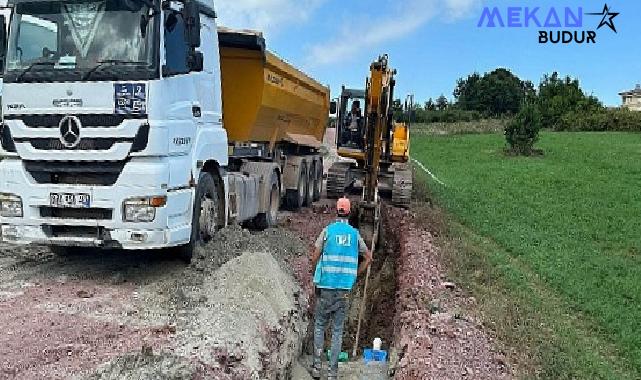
point(235, 313)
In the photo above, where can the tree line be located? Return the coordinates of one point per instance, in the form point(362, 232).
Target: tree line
point(558, 102)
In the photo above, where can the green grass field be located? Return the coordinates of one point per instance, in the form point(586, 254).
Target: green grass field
point(550, 245)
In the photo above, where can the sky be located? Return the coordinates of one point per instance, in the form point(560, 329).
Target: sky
point(432, 43)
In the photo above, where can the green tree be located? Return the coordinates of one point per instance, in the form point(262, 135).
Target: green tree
point(496, 93)
point(558, 96)
point(429, 105)
point(442, 103)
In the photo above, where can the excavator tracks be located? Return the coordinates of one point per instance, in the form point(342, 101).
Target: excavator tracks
point(402, 186)
point(338, 179)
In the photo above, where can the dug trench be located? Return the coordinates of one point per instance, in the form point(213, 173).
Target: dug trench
point(378, 314)
point(429, 325)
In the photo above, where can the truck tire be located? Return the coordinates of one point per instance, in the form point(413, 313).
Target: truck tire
point(318, 180)
point(269, 218)
point(309, 187)
point(206, 216)
point(296, 198)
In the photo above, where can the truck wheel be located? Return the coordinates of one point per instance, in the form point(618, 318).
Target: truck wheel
point(268, 219)
point(206, 217)
point(309, 192)
point(296, 198)
point(318, 181)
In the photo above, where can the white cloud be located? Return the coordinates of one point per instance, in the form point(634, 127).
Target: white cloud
point(365, 33)
point(267, 16)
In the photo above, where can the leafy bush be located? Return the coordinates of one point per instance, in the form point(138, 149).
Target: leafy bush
point(449, 115)
point(601, 120)
point(522, 132)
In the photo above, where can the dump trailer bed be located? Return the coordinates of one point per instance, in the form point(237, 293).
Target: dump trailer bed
point(265, 99)
point(275, 116)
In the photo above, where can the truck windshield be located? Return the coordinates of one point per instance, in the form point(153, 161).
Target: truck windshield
point(80, 40)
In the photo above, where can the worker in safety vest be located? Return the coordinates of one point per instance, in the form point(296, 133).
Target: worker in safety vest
point(335, 262)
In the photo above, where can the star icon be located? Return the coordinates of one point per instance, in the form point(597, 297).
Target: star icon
point(607, 19)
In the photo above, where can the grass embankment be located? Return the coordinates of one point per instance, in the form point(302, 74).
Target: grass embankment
point(550, 246)
point(461, 127)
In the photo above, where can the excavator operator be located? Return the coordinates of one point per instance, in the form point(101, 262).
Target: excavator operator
point(354, 126)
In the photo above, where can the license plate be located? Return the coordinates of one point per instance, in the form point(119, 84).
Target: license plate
point(70, 200)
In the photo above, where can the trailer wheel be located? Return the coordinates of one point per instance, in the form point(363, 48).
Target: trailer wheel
point(318, 181)
point(206, 217)
point(268, 219)
point(311, 182)
point(296, 198)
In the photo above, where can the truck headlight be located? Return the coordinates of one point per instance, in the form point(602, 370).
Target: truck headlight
point(10, 205)
point(137, 210)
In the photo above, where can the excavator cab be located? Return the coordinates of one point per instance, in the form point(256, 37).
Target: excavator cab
point(350, 123)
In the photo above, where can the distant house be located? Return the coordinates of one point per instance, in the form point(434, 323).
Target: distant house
point(632, 99)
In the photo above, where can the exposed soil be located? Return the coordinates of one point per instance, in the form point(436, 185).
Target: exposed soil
point(241, 310)
point(436, 332)
point(237, 312)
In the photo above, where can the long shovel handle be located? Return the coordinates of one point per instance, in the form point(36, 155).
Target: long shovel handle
point(361, 312)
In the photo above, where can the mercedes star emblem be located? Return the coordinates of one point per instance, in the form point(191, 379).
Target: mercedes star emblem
point(70, 127)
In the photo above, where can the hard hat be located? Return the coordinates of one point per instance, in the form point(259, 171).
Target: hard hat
point(343, 206)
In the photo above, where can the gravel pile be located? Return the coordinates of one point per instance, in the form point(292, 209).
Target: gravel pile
point(146, 366)
point(235, 313)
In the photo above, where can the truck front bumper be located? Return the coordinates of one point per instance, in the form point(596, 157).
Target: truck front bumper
point(170, 227)
point(114, 238)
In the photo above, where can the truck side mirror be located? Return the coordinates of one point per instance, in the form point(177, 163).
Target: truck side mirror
point(333, 107)
point(191, 15)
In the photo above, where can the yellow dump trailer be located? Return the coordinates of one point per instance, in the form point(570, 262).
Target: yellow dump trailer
point(273, 112)
point(265, 99)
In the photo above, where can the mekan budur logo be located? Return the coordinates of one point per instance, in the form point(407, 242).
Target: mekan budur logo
point(557, 25)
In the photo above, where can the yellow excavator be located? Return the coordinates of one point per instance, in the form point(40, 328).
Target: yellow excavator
point(377, 145)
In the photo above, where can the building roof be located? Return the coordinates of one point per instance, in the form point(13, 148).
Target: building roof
point(636, 91)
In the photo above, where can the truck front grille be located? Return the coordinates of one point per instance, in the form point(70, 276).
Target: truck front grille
point(77, 213)
point(85, 144)
point(75, 173)
point(87, 120)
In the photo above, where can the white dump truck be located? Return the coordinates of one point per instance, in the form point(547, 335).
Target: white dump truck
point(138, 124)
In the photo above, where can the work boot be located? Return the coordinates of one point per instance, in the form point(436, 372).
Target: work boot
point(317, 364)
